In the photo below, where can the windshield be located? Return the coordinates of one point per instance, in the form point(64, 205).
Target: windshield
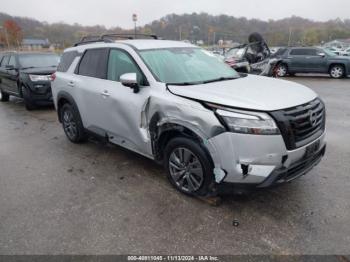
point(236, 52)
point(186, 66)
point(38, 60)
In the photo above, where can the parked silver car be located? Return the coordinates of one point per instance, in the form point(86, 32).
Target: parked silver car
point(214, 130)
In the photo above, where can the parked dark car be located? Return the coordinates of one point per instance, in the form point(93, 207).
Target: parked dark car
point(312, 60)
point(27, 75)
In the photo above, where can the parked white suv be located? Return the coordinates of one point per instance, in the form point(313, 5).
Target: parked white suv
point(213, 129)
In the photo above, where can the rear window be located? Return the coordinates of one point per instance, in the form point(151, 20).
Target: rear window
point(38, 60)
point(94, 63)
point(67, 60)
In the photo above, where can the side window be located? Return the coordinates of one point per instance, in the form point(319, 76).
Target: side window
point(12, 61)
point(298, 52)
point(94, 63)
point(120, 63)
point(5, 61)
point(67, 60)
point(311, 52)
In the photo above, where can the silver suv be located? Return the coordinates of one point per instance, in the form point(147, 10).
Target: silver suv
point(214, 130)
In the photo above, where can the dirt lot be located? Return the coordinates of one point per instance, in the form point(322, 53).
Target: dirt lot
point(60, 198)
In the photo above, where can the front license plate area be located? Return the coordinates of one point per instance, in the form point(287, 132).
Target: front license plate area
point(312, 149)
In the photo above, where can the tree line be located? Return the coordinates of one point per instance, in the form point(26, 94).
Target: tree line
point(192, 27)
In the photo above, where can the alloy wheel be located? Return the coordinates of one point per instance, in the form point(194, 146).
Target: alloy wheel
point(69, 124)
point(186, 170)
point(281, 70)
point(337, 72)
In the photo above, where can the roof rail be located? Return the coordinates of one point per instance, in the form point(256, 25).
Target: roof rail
point(107, 38)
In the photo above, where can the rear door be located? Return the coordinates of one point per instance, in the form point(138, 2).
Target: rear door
point(87, 85)
point(298, 61)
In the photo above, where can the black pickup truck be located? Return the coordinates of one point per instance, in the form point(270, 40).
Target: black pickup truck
point(27, 75)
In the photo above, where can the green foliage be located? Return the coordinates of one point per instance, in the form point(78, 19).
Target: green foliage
point(192, 27)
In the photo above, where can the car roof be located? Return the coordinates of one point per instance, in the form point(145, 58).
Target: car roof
point(138, 44)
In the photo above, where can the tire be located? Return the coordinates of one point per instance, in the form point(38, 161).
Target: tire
point(72, 124)
point(188, 167)
point(281, 70)
point(28, 102)
point(4, 96)
point(337, 71)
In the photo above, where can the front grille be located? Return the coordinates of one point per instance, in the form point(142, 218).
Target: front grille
point(302, 124)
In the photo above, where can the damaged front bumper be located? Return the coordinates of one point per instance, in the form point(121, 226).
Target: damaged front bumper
point(251, 161)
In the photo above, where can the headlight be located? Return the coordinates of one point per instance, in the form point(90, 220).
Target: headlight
point(37, 78)
point(249, 122)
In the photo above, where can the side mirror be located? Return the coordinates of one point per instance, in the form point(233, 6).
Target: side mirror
point(130, 80)
point(322, 54)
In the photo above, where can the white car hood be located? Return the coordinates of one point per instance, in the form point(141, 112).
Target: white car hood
point(251, 92)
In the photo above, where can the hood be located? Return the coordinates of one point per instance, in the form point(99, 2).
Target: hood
point(40, 70)
point(339, 57)
point(251, 92)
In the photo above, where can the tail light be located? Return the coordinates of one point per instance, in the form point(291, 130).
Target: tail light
point(53, 77)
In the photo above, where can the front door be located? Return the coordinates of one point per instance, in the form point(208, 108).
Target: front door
point(12, 75)
point(124, 119)
point(4, 73)
point(315, 62)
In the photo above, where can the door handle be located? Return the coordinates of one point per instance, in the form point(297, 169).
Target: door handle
point(71, 83)
point(105, 93)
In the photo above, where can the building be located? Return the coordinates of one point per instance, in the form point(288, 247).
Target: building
point(35, 44)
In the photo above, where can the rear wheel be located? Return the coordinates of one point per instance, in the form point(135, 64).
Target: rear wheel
point(281, 70)
point(4, 96)
point(72, 124)
point(28, 102)
point(337, 71)
point(188, 166)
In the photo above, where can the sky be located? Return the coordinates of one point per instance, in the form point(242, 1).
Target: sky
point(113, 13)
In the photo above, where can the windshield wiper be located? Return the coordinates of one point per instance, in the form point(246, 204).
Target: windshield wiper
point(203, 82)
point(219, 79)
point(28, 67)
point(186, 83)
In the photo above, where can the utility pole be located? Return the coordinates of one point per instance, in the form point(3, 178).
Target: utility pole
point(290, 36)
point(134, 19)
point(180, 33)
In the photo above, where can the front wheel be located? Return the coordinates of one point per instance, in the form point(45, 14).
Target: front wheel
point(188, 166)
point(337, 71)
point(72, 124)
